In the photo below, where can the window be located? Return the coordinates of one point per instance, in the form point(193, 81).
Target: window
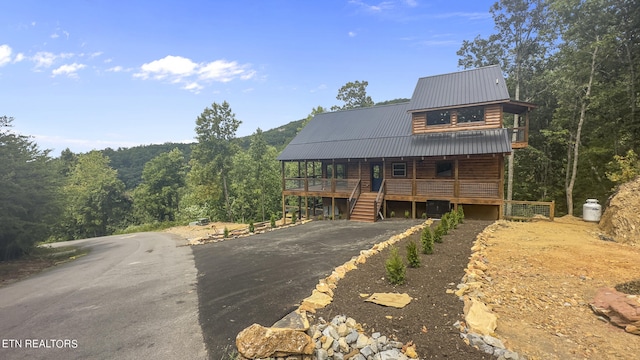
point(444, 169)
point(399, 169)
point(341, 171)
point(472, 114)
point(442, 117)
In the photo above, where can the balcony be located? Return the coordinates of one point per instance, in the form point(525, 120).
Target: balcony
point(398, 189)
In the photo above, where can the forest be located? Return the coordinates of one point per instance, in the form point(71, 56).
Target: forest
point(577, 60)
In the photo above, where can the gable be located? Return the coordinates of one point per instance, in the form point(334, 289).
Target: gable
point(477, 86)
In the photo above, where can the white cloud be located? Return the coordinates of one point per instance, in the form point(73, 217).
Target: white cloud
point(116, 69)
point(168, 67)
point(5, 54)
point(411, 3)
point(71, 70)
point(19, 58)
point(385, 5)
point(352, 34)
point(46, 59)
point(193, 87)
point(191, 75)
point(54, 36)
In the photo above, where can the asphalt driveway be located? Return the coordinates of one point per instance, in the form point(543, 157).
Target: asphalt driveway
point(261, 278)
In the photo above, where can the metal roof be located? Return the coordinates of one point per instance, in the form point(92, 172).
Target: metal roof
point(467, 87)
point(385, 131)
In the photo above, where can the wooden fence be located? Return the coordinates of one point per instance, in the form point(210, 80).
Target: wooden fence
point(527, 210)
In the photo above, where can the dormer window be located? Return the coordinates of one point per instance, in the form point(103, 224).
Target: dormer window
point(440, 117)
point(470, 114)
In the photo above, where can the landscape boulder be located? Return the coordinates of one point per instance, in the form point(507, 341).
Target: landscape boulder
point(258, 342)
point(621, 309)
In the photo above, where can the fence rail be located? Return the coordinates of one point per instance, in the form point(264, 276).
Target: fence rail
point(527, 210)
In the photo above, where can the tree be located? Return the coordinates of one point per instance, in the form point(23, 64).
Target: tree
point(255, 180)
point(212, 155)
point(157, 198)
point(94, 199)
point(586, 28)
point(519, 46)
point(354, 95)
point(29, 183)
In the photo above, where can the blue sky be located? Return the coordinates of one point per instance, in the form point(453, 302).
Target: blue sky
point(93, 74)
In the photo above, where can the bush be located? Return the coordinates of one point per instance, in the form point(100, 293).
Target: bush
point(453, 220)
point(438, 233)
point(427, 241)
point(294, 217)
point(445, 223)
point(396, 270)
point(424, 216)
point(252, 228)
point(273, 221)
point(460, 214)
point(226, 232)
point(407, 214)
point(413, 259)
point(393, 214)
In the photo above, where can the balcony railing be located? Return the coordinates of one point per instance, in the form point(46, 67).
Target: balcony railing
point(320, 185)
point(427, 188)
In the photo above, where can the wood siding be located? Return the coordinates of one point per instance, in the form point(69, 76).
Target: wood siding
point(492, 119)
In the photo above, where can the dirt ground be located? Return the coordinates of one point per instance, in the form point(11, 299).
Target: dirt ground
point(544, 276)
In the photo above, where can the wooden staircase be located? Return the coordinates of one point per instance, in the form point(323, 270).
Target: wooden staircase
point(365, 208)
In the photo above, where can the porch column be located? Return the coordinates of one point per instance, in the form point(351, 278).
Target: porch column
point(413, 191)
point(306, 190)
point(284, 208)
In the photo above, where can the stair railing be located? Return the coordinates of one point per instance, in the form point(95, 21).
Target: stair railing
point(378, 203)
point(355, 194)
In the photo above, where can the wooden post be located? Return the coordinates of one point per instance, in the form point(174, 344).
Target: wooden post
point(284, 207)
point(501, 187)
point(456, 186)
point(552, 210)
point(413, 191)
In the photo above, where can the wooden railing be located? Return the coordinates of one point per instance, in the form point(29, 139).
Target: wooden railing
point(377, 204)
point(319, 184)
point(429, 188)
point(527, 210)
point(355, 194)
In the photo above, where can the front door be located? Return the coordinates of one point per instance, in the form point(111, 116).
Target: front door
point(376, 176)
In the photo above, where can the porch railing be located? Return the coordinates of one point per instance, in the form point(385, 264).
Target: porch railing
point(355, 194)
point(320, 184)
point(429, 188)
point(377, 204)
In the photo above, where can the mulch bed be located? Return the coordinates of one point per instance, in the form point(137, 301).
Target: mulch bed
point(431, 310)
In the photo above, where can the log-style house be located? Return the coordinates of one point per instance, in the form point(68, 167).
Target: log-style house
point(445, 147)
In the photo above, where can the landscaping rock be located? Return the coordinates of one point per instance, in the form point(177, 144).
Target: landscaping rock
point(256, 342)
point(621, 309)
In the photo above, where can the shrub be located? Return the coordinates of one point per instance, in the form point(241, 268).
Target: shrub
point(273, 221)
point(393, 214)
point(226, 232)
point(460, 214)
point(427, 241)
point(252, 228)
point(438, 233)
point(396, 270)
point(413, 259)
point(444, 223)
point(294, 217)
point(424, 216)
point(406, 214)
point(453, 219)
